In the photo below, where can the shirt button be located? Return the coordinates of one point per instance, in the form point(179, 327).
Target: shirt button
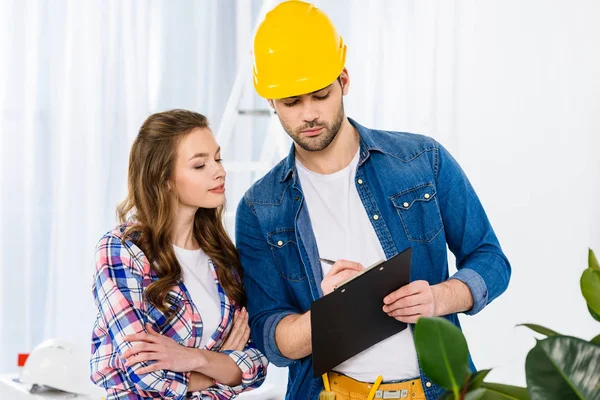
point(405, 204)
point(375, 217)
point(280, 243)
point(360, 181)
point(428, 384)
point(427, 195)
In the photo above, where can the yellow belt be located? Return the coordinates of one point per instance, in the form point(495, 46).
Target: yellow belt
point(346, 388)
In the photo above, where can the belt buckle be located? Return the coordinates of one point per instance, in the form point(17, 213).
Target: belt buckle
point(391, 394)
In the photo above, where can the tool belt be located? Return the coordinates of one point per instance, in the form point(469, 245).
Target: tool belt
point(343, 387)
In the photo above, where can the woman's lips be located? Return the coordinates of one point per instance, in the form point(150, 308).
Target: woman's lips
point(218, 189)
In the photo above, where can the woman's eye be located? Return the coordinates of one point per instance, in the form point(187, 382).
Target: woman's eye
point(322, 97)
point(199, 167)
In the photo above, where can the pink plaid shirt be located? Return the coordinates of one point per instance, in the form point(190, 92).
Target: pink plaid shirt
point(122, 274)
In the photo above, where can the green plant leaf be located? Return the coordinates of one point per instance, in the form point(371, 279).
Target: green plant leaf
point(563, 367)
point(590, 288)
point(443, 352)
point(593, 261)
point(477, 378)
point(596, 340)
point(593, 314)
point(504, 392)
point(476, 394)
point(540, 329)
point(491, 395)
point(448, 395)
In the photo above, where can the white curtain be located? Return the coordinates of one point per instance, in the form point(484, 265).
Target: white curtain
point(77, 79)
point(511, 88)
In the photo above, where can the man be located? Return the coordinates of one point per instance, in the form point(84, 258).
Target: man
point(356, 195)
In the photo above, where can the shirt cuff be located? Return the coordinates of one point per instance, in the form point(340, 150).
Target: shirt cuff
point(174, 388)
point(271, 350)
point(477, 286)
point(244, 363)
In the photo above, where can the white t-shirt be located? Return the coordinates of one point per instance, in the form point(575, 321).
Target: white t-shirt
point(343, 231)
point(200, 283)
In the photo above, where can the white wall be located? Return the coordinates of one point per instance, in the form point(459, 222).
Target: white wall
point(529, 92)
point(513, 90)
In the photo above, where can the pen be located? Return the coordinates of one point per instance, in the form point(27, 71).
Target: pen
point(326, 394)
point(375, 387)
point(327, 261)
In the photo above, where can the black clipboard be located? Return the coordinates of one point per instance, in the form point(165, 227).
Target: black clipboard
point(350, 319)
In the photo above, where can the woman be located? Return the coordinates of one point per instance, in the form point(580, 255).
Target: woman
point(171, 320)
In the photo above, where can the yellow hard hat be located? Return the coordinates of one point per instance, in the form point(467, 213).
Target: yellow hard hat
point(297, 50)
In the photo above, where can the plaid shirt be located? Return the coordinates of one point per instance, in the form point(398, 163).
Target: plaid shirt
point(122, 274)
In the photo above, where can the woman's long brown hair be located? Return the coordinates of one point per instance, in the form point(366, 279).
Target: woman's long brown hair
point(149, 205)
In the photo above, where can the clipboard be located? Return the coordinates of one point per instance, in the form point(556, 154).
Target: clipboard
point(350, 319)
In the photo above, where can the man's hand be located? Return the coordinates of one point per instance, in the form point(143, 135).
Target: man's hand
point(419, 299)
point(411, 302)
point(339, 272)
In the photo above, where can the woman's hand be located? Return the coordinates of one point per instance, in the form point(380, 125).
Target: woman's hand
point(167, 353)
point(240, 332)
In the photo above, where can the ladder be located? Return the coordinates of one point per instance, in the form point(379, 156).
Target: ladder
point(239, 142)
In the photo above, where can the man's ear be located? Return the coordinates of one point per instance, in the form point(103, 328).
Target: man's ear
point(271, 104)
point(345, 81)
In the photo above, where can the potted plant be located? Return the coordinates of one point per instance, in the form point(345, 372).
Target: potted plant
point(558, 367)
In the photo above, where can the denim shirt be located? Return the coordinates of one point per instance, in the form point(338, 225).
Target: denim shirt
point(416, 195)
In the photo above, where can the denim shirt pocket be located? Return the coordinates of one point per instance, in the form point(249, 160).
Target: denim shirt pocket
point(418, 209)
point(285, 254)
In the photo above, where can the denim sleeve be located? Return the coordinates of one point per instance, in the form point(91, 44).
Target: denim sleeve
point(480, 261)
point(268, 301)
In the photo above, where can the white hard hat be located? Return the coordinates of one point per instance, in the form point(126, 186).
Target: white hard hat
point(58, 364)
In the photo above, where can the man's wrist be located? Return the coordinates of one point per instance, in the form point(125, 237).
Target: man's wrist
point(439, 295)
point(462, 292)
point(451, 296)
